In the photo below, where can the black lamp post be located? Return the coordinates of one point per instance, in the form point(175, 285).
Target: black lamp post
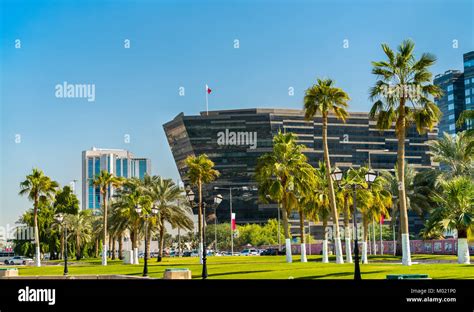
point(60, 218)
point(139, 210)
point(369, 178)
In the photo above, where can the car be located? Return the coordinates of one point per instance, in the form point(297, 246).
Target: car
point(249, 252)
point(19, 260)
point(187, 253)
point(270, 252)
point(194, 253)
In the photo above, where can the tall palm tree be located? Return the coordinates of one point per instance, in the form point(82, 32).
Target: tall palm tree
point(403, 95)
point(454, 152)
point(65, 201)
point(105, 181)
point(80, 228)
point(284, 174)
point(456, 211)
point(40, 189)
point(319, 209)
point(172, 208)
point(200, 171)
point(324, 98)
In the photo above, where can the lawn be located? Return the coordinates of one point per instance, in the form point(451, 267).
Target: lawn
point(268, 267)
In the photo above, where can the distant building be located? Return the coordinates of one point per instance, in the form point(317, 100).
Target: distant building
point(121, 163)
point(235, 139)
point(458, 88)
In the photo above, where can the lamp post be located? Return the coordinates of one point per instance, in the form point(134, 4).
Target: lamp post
point(60, 218)
point(230, 206)
point(217, 201)
point(369, 178)
point(141, 213)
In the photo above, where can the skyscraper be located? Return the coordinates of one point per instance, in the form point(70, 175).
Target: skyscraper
point(458, 95)
point(121, 163)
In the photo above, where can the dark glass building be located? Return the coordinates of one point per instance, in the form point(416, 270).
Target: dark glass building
point(469, 84)
point(234, 139)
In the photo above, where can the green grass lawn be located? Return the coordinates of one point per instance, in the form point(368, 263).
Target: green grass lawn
point(267, 267)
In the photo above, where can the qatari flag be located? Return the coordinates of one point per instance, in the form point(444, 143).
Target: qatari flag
point(382, 219)
point(233, 221)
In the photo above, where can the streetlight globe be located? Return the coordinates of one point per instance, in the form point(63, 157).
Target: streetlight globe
point(370, 176)
point(59, 217)
point(218, 199)
point(336, 174)
point(154, 209)
point(138, 209)
point(190, 195)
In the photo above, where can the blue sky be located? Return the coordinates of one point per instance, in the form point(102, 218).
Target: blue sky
point(185, 44)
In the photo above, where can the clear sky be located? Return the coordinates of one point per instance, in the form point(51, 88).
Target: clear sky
point(185, 44)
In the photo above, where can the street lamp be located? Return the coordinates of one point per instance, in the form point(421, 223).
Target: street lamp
point(370, 177)
point(139, 211)
point(217, 201)
point(60, 218)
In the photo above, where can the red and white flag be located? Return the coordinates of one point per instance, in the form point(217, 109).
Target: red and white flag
point(208, 90)
point(233, 221)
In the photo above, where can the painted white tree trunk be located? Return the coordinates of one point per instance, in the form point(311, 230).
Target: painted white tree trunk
point(131, 260)
point(364, 253)
point(200, 254)
point(338, 244)
point(104, 254)
point(303, 253)
point(325, 251)
point(135, 255)
point(406, 256)
point(289, 258)
point(38, 256)
point(348, 245)
point(463, 251)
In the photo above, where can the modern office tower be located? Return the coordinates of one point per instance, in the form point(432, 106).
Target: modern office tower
point(121, 163)
point(451, 103)
point(234, 139)
point(469, 84)
point(458, 88)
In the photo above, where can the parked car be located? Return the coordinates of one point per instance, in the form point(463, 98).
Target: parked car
point(249, 252)
point(19, 260)
point(187, 253)
point(271, 252)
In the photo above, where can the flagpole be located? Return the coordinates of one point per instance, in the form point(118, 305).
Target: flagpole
point(207, 101)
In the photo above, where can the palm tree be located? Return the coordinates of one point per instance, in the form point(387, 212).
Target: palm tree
point(172, 208)
point(344, 197)
point(284, 175)
point(454, 152)
point(39, 189)
point(105, 181)
point(200, 171)
point(319, 208)
point(467, 116)
point(403, 95)
point(80, 228)
point(65, 201)
point(324, 98)
point(456, 211)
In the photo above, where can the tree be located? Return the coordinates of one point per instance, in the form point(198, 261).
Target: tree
point(319, 208)
point(105, 181)
point(403, 95)
point(40, 189)
point(200, 171)
point(455, 153)
point(324, 98)
point(80, 228)
point(467, 117)
point(65, 202)
point(173, 208)
point(284, 174)
point(456, 211)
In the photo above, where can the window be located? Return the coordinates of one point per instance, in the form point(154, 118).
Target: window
point(452, 127)
point(468, 100)
point(450, 88)
point(468, 63)
point(466, 81)
point(467, 92)
point(450, 97)
point(472, 80)
point(450, 106)
point(451, 117)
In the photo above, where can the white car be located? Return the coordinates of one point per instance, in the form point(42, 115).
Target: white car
point(19, 260)
point(249, 252)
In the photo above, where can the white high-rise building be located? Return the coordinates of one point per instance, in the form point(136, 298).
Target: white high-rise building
point(119, 162)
